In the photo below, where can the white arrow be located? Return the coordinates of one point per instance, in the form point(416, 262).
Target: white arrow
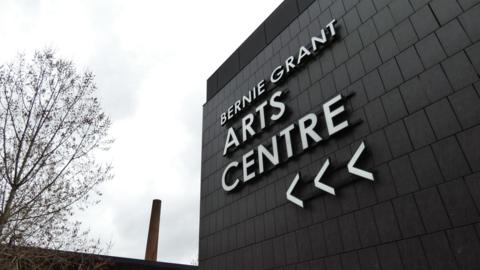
point(292, 198)
point(355, 170)
point(321, 185)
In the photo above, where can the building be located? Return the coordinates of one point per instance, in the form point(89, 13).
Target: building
point(345, 134)
point(36, 258)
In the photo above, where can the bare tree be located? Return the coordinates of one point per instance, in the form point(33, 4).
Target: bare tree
point(51, 126)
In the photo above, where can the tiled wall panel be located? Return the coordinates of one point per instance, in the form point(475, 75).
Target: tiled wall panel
point(414, 67)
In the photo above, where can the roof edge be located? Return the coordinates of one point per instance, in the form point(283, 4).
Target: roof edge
point(265, 33)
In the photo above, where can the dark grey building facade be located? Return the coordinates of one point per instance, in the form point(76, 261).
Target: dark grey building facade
point(404, 77)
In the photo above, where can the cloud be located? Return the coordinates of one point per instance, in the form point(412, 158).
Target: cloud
point(118, 78)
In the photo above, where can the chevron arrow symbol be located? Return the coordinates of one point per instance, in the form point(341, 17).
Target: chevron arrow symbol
point(321, 185)
point(291, 197)
point(357, 171)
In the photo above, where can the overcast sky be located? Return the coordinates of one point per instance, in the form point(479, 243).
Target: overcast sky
point(152, 60)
